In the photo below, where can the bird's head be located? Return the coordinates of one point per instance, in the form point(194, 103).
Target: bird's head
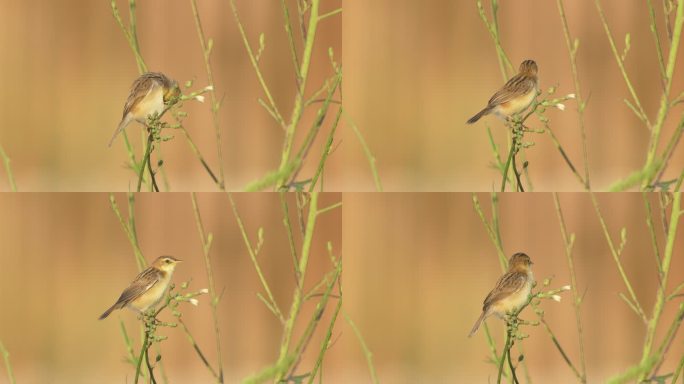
point(529, 67)
point(519, 261)
point(172, 91)
point(166, 263)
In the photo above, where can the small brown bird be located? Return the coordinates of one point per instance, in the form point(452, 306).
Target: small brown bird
point(511, 291)
point(148, 288)
point(148, 94)
point(515, 96)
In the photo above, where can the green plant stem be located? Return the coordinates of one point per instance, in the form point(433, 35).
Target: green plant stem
point(303, 72)
point(288, 328)
point(665, 99)
point(8, 169)
point(130, 33)
point(143, 353)
point(569, 241)
point(252, 57)
point(506, 351)
point(252, 254)
point(661, 295)
point(616, 257)
point(366, 150)
point(493, 27)
point(206, 247)
point(5, 356)
point(206, 53)
point(129, 228)
point(572, 49)
point(146, 160)
point(640, 110)
point(364, 347)
point(493, 228)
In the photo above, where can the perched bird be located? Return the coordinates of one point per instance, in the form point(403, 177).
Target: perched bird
point(511, 291)
point(515, 96)
point(148, 288)
point(148, 94)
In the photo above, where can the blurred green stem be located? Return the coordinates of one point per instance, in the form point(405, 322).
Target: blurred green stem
point(8, 169)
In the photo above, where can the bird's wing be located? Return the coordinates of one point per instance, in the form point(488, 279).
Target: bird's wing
point(517, 86)
point(508, 284)
point(141, 87)
point(145, 280)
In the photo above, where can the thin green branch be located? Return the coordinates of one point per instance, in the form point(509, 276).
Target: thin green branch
point(253, 256)
point(364, 347)
point(206, 247)
point(206, 54)
point(616, 257)
point(572, 50)
point(621, 64)
point(661, 294)
point(569, 241)
point(303, 71)
point(8, 169)
point(255, 65)
point(5, 356)
point(366, 150)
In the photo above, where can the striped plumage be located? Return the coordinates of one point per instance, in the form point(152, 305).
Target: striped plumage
point(511, 290)
point(148, 94)
point(148, 288)
point(515, 96)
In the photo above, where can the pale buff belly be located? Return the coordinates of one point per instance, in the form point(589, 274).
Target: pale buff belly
point(517, 105)
point(513, 302)
point(150, 298)
point(152, 103)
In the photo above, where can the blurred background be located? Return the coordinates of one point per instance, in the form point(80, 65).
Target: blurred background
point(419, 266)
point(68, 71)
point(64, 259)
point(416, 71)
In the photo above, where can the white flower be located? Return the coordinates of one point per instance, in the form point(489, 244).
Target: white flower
point(211, 88)
point(556, 298)
point(571, 96)
point(205, 290)
point(199, 98)
point(565, 288)
point(195, 302)
point(560, 106)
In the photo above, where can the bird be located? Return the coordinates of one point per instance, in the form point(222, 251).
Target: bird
point(148, 95)
point(515, 96)
point(511, 290)
point(148, 288)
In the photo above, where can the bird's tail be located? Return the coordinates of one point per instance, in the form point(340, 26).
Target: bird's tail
point(124, 122)
point(107, 312)
point(479, 115)
point(477, 323)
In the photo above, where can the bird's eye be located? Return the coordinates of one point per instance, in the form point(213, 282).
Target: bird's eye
point(168, 261)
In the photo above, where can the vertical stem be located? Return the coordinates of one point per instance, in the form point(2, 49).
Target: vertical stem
point(665, 99)
point(206, 52)
point(5, 355)
point(298, 293)
point(10, 177)
point(572, 49)
point(569, 242)
point(299, 99)
point(206, 245)
point(661, 294)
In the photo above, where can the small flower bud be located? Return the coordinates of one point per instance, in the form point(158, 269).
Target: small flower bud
point(560, 106)
point(199, 98)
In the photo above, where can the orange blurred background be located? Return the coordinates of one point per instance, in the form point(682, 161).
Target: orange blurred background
point(416, 71)
point(64, 259)
point(419, 266)
point(68, 69)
